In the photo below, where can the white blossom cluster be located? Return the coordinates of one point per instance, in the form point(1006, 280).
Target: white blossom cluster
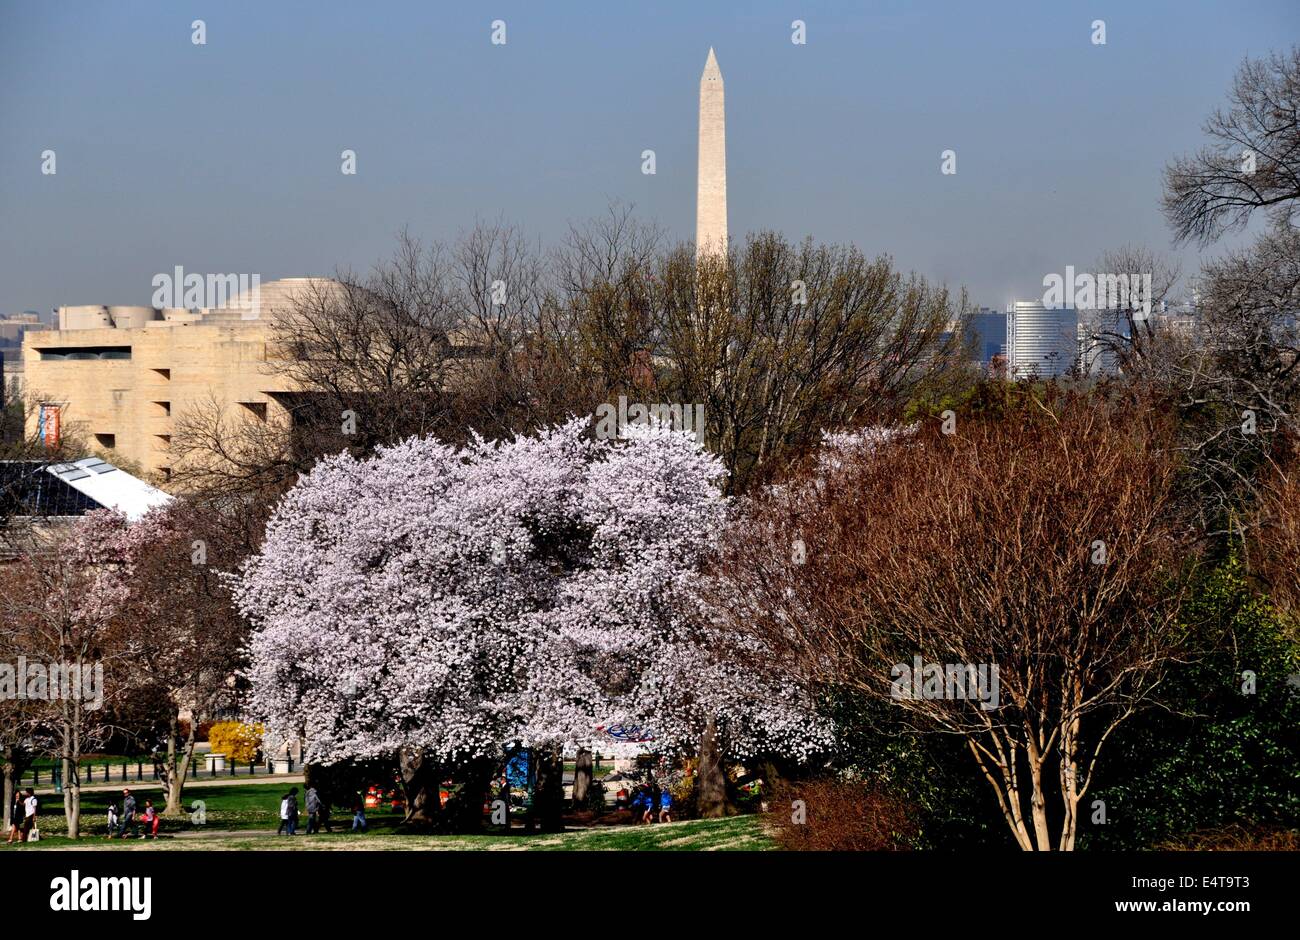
point(457, 600)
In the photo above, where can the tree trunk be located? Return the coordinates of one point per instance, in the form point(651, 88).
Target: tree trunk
point(711, 778)
point(178, 764)
point(548, 794)
point(1037, 798)
point(1070, 793)
point(772, 779)
point(581, 778)
point(8, 798)
point(71, 799)
point(70, 764)
point(464, 811)
point(421, 784)
point(1004, 788)
point(167, 767)
point(13, 764)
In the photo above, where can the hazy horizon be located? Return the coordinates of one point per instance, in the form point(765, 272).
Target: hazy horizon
point(225, 157)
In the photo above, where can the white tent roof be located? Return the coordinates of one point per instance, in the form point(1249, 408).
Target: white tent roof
point(110, 487)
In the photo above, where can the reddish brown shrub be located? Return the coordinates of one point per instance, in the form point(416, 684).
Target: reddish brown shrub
point(1237, 838)
point(840, 816)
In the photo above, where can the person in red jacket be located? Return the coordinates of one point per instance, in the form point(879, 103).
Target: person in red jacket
point(151, 820)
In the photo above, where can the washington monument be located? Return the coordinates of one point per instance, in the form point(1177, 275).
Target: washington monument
point(711, 205)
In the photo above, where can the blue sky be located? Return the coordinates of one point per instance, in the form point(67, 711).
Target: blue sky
point(225, 157)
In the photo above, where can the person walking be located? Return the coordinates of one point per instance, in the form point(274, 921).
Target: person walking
point(313, 810)
point(284, 815)
point(150, 821)
point(645, 801)
point(359, 815)
point(29, 813)
point(293, 811)
point(128, 814)
point(15, 818)
point(112, 820)
point(665, 806)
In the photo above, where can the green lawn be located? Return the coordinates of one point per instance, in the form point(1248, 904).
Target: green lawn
point(251, 806)
point(602, 769)
point(245, 817)
point(739, 833)
point(95, 760)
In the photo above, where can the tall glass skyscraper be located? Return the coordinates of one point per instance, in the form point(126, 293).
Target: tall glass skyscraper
point(1041, 342)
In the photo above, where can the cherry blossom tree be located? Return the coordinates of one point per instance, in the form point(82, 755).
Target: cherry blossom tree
point(62, 610)
point(438, 603)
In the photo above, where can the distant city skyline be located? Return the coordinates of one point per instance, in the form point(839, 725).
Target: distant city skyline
point(226, 156)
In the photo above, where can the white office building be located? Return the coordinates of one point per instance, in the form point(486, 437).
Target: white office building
point(1041, 342)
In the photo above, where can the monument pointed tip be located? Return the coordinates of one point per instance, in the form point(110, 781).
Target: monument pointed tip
point(711, 63)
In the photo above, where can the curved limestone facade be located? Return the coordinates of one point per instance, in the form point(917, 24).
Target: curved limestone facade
point(120, 376)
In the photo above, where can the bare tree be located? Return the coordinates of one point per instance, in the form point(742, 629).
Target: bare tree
point(435, 340)
point(776, 341)
point(605, 295)
point(1253, 160)
point(1038, 551)
point(603, 249)
point(219, 451)
point(1241, 385)
point(1235, 383)
point(26, 487)
point(1131, 334)
point(1274, 541)
point(490, 335)
point(181, 632)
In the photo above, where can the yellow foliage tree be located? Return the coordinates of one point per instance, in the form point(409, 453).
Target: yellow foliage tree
point(238, 741)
